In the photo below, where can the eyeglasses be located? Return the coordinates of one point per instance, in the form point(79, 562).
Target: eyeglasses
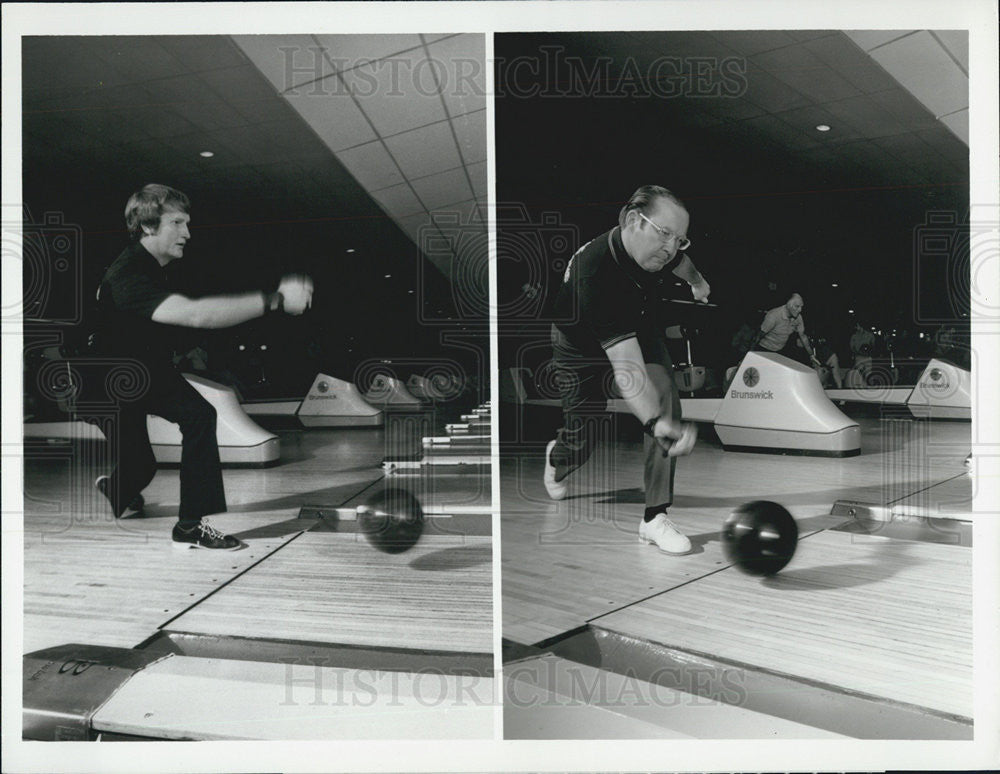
point(683, 243)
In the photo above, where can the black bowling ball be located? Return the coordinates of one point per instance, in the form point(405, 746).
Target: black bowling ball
point(760, 537)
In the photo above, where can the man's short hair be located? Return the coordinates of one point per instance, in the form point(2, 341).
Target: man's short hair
point(146, 205)
point(643, 199)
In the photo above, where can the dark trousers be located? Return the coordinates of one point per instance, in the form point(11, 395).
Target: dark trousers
point(174, 399)
point(584, 386)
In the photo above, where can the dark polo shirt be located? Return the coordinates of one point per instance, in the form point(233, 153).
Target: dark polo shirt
point(606, 297)
point(132, 288)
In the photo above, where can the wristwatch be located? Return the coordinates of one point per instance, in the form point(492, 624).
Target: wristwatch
point(274, 302)
point(648, 427)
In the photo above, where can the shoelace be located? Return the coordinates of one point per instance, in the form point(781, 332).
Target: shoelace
point(210, 532)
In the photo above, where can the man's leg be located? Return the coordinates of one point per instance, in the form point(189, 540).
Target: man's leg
point(202, 490)
point(660, 469)
point(135, 465)
point(582, 385)
point(658, 474)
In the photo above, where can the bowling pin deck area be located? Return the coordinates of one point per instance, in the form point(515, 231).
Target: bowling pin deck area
point(308, 590)
point(866, 633)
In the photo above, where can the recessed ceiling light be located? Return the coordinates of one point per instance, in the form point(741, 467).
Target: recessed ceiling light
point(206, 154)
point(822, 128)
point(850, 311)
point(411, 292)
point(349, 250)
point(388, 276)
point(834, 285)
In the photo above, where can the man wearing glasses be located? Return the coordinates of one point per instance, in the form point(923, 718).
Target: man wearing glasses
point(608, 322)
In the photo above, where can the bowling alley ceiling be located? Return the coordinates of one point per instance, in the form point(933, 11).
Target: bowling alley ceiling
point(399, 153)
point(313, 130)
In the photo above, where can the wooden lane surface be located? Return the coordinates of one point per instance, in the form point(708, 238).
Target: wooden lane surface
point(334, 588)
point(949, 499)
point(91, 579)
point(114, 583)
point(566, 562)
point(872, 615)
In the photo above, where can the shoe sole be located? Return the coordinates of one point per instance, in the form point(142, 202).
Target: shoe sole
point(646, 541)
point(180, 546)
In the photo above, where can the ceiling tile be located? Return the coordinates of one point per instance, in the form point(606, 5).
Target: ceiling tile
point(371, 166)
point(209, 116)
point(286, 60)
point(926, 70)
point(160, 122)
point(766, 91)
point(398, 200)
point(684, 44)
point(785, 134)
point(462, 71)
point(477, 174)
point(750, 42)
point(908, 148)
point(797, 67)
point(959, 124)
point(137, 58)
point(470, 130)
point(425, 151)
point(740, 108)
point(43, 61)
point(866, 115)
point(869, 39)
point(349, 51)
point(397, 94)
point(851, 63)
point(443, 188)
point(469, 240)
point(957, 44)
point(244, 89)
point(804, 35)
point(904, 107)
point(412, 224)
point(335, 119)
point(203, 52)
point(432, 37)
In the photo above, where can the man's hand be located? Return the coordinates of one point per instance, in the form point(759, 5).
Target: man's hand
point(297, 290)
point(677, 439)
point(700, 291)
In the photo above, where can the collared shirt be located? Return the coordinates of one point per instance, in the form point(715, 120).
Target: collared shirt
point(132, 288)
point(606, 297)
point(777, 327)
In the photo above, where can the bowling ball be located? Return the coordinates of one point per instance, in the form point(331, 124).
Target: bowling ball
point(392, 520)
point(760, 537)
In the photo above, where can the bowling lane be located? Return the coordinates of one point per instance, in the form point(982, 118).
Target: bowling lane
point(862, 614)
point(565, 563)
point(329, 587)
point(92, 579)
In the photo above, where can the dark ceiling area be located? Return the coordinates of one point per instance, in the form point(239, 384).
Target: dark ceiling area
point(103, 116)
point(727, 120)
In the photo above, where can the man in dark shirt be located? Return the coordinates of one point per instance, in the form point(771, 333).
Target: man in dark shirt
point(608, 321)
point(146, 312)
